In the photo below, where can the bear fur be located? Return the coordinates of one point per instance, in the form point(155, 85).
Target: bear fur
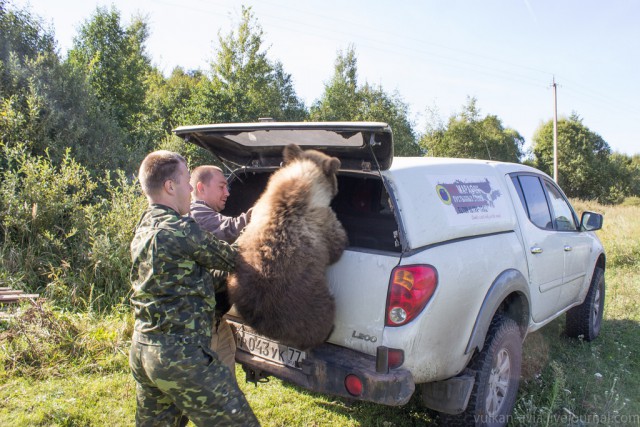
point(279, 286)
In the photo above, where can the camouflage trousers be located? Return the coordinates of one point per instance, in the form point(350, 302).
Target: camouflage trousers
point(180, 380)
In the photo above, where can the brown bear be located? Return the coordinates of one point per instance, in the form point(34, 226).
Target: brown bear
point(279, 286)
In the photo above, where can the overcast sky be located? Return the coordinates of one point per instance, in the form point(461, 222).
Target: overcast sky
point(434, 53)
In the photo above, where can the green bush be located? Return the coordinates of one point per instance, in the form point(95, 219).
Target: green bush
point(65, 235)
point(111, 222)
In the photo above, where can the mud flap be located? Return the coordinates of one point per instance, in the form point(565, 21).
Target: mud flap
point(449, 396)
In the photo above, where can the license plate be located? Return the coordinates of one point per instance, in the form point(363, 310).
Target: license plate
point(270, 350)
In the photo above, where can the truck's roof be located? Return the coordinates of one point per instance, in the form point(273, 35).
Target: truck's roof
point(503, 167)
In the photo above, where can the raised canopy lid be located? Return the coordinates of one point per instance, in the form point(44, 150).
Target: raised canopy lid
point(358, 145)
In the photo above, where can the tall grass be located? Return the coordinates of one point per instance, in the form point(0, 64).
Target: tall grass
point(620, 232)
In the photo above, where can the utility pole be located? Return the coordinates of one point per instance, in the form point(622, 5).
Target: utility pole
point(555, 130)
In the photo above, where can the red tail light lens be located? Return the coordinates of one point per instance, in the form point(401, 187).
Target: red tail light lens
point(411, 288)
point(396, 358)
point(353, 384)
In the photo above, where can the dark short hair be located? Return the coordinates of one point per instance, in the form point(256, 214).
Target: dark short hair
point(157, 168)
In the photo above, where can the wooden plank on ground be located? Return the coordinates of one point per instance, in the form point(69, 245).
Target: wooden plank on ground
point(11, 292)
point(17, 297)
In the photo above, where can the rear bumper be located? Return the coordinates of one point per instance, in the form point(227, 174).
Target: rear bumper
point(325, 369)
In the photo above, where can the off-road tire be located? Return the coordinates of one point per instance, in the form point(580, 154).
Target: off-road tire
point(585, 320)
point(497, 369)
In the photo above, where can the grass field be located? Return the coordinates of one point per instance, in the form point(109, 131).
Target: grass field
point(62, 369)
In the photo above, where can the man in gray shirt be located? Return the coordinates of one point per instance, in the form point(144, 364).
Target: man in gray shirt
point(209, 196)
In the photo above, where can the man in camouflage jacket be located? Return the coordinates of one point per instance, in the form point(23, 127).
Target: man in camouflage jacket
point(178, 377)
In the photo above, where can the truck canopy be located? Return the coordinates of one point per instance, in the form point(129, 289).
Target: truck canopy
point(359, 145)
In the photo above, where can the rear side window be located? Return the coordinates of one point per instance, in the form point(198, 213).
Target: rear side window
point(533, 199)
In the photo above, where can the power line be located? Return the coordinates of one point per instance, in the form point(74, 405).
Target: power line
point(555, 129)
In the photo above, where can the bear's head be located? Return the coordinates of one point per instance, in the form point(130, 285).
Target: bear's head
point(329, 165)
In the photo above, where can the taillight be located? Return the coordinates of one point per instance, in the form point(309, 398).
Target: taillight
point(410, 290)
point(388, 358)
point(396, 358)
point(353, 384)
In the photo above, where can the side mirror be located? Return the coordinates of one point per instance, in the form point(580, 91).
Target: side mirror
point(591, 221)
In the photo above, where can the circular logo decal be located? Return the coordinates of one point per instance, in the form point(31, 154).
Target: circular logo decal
point(443, 194)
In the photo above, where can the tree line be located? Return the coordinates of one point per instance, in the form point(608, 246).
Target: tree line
point(109, 105)
point(74, 128)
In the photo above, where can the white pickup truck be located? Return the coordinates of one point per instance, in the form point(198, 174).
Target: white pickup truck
point(450, 263)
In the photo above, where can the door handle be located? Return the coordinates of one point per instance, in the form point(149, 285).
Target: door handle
point(567, 248)
point(536, 250)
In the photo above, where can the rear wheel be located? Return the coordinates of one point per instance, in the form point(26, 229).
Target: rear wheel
point(497, 369)
point(585, 319)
